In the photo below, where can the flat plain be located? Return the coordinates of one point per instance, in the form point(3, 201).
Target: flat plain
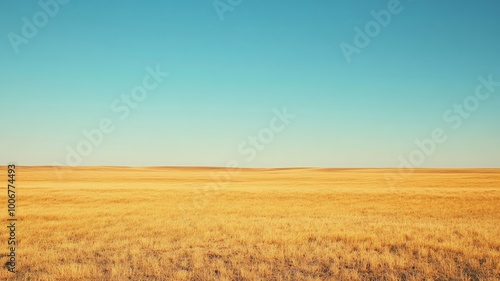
point(173, 223)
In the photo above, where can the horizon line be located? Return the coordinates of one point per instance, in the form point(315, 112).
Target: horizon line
point(245, 168)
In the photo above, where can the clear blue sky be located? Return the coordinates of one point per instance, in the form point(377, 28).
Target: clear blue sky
point(226, 77)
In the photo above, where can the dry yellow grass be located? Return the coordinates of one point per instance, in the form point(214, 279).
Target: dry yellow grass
point(107, 223)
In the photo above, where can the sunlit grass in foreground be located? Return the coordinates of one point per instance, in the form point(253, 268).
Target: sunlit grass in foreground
point(298, 224)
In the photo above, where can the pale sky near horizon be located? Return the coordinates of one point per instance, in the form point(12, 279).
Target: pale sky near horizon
point(226, 78)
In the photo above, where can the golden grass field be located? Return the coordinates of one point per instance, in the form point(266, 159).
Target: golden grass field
point(104, 223)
